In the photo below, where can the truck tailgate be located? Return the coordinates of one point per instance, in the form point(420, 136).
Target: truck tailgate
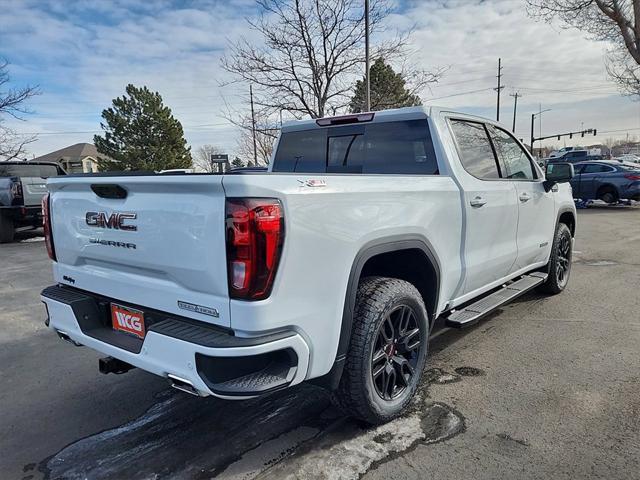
point(166, 251)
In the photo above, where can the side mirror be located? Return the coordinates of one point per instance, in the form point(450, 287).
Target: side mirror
point(558, 173)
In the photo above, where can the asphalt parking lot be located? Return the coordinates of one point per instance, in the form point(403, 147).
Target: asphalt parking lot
point(544, 388)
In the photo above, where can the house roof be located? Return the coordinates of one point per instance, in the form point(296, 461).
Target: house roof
point(79, 150)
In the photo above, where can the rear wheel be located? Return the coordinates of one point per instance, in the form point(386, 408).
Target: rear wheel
point(559, 267)
point(388, 350)
point(7, 229)
point(608, 195)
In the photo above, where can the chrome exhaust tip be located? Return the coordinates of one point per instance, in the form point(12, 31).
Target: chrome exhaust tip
point(183, 385)
point(65, 336)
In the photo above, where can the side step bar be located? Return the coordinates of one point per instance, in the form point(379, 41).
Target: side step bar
point(471, 314)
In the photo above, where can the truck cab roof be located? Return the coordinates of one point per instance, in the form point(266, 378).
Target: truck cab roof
point(391, 115)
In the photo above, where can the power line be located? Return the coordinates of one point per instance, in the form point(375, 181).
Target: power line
point(461, 93)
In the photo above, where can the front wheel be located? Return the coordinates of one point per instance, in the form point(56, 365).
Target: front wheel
point(388, 350)
point(559, 267)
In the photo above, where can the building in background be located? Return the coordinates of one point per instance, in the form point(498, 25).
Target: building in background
point(78, 158)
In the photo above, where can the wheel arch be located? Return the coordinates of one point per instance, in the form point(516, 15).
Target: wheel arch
point(604, 187)
point(568, 217)
point(375, 254)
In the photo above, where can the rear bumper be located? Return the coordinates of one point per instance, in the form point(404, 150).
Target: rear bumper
point(212, 361)
point(22, 214)
point(632, 192)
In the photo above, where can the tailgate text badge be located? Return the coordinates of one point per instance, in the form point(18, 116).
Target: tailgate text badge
point(212, 312)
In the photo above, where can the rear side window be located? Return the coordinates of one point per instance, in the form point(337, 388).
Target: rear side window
point(402, 147)
point(474, 147)
point(27, 170)
point(596, 168)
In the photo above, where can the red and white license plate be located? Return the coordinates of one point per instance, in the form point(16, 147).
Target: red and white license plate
point(127, 320)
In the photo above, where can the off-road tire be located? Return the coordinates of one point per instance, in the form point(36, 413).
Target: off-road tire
point(554, 285)
point(376, 300)
point(7, 229)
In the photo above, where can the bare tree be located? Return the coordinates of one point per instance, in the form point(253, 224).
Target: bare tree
point(12, 144)
point(310, 55)
point(614, 21)
point(202, 158)
point(266, 133)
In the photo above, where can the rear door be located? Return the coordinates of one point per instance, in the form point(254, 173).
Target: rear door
point(160, 244)
point(591, 176)
point(491, 207)
point(536, 207)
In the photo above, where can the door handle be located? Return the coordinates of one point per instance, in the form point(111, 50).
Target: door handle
point(524, 197)
point(477, 202)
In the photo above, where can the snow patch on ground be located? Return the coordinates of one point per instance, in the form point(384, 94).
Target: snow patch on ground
point(349, 458)
point(32, 240)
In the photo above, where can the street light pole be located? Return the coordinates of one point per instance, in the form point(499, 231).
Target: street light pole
point(533, 117)
point(366, 57)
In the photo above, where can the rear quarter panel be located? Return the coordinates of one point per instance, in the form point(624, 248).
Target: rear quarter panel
point(325, 227)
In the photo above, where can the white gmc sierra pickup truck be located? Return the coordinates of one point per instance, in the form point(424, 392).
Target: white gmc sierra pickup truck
point(330, 267)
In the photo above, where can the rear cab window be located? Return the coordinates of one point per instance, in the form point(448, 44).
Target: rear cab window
point(393, 147)
point(27, 170)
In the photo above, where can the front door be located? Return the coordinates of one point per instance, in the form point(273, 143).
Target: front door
point(536, 207)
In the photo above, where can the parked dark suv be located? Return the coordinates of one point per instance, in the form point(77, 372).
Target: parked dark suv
point(22, 185)
point(609, 181)
point(572, 156)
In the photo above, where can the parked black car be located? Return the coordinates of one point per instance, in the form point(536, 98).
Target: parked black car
point(606, 180)
point(22, 185)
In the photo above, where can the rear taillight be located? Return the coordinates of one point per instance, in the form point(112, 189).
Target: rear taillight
point(632, 176)
point(255, 233)
point(16, 190)
point(46, 224)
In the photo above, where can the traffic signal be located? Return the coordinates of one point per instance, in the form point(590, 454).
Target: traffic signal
point(571, 135)
point(595, 132)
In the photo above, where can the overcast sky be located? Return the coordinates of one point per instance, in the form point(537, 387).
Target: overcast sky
point(83, 53)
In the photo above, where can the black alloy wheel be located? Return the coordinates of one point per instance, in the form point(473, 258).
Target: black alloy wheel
point(563, 265)
point(395, 357)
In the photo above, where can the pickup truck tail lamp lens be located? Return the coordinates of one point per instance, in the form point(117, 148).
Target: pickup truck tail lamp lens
point(16, 190)
point(46, 224)
point(255, 233)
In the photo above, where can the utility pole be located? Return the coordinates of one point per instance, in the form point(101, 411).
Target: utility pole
point(533, 119)
point(515, 107)
point(253, 128)
point(367, 105)
point(498, 89)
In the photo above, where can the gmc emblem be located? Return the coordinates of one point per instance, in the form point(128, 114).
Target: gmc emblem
point(115, 220)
